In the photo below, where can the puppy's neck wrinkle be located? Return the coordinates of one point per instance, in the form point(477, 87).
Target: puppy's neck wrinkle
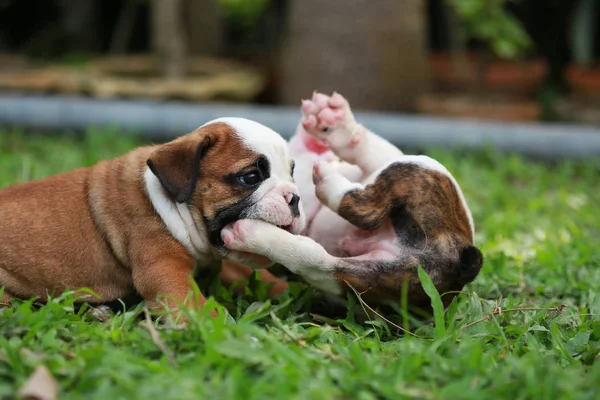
point(177, 218)
point(94, 208)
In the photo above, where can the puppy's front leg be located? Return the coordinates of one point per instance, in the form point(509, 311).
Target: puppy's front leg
point(167, 280)
point(300, 254)
point(331, 120)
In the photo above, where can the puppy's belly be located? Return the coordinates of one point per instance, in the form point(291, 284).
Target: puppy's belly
point(342, 239)
point(329, 229)
point(48, 242)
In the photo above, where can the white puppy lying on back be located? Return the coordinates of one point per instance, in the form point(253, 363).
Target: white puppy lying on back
point(373, 214)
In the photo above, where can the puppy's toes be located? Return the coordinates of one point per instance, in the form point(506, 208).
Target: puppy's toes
point(309, 107)
point(338, 101)
point(322, 170)
point(320, 99)
point(227, 236)
point(309, 122)
point(329, 118)
point(233, 235)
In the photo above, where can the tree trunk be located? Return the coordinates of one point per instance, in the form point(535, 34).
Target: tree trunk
point(374, 54)
point(124, 28)
point(81, 23)
point(169, 38)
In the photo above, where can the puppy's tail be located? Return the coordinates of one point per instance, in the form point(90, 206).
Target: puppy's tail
point(470, 263)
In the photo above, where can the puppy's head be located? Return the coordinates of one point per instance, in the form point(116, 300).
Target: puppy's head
point(230, 169)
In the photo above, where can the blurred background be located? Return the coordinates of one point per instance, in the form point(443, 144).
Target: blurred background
point(520, 60)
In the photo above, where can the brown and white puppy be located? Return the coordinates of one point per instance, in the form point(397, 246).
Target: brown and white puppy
point(373, 214)
point(143, 221)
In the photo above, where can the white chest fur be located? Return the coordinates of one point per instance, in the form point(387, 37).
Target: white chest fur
point(177, 219)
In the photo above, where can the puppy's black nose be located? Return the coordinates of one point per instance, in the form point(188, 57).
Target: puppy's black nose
point(294, 205)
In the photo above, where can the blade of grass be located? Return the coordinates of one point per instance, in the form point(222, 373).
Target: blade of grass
point(436, 303)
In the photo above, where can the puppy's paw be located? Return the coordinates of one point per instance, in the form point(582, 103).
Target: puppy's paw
point(322, 170)
point(250, 235)
point(236, 236)
point(330, 185)
point(330, 120)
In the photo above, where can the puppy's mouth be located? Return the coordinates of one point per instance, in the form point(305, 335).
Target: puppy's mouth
point(288, 227)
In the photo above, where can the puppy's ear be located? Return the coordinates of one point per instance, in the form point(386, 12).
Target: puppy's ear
point(177, 165)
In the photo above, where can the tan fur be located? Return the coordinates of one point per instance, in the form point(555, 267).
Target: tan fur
point(96, 228)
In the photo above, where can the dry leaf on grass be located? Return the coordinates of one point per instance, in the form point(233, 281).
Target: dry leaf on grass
point(40, 385)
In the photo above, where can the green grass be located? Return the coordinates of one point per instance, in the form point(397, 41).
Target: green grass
point(538, 226)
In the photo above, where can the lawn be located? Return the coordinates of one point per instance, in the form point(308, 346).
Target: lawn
point(527, 328)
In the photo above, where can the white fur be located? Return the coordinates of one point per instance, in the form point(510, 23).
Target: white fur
point(258, 137)
point(332, 186)
point(177, 218)
point(299, 254)
point(368, 152)
point(262, 140)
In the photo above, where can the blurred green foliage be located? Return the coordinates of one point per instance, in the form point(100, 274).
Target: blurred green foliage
point(491, 23)
point(244, 12)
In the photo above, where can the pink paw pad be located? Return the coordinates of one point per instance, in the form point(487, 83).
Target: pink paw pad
point(328, 117)
point(235, 233)
point(330, 121)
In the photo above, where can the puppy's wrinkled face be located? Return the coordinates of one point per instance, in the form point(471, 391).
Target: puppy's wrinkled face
point(231, 169)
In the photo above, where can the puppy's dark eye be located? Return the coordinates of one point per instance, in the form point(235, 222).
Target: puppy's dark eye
point(251, 178)
point(292, 168)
